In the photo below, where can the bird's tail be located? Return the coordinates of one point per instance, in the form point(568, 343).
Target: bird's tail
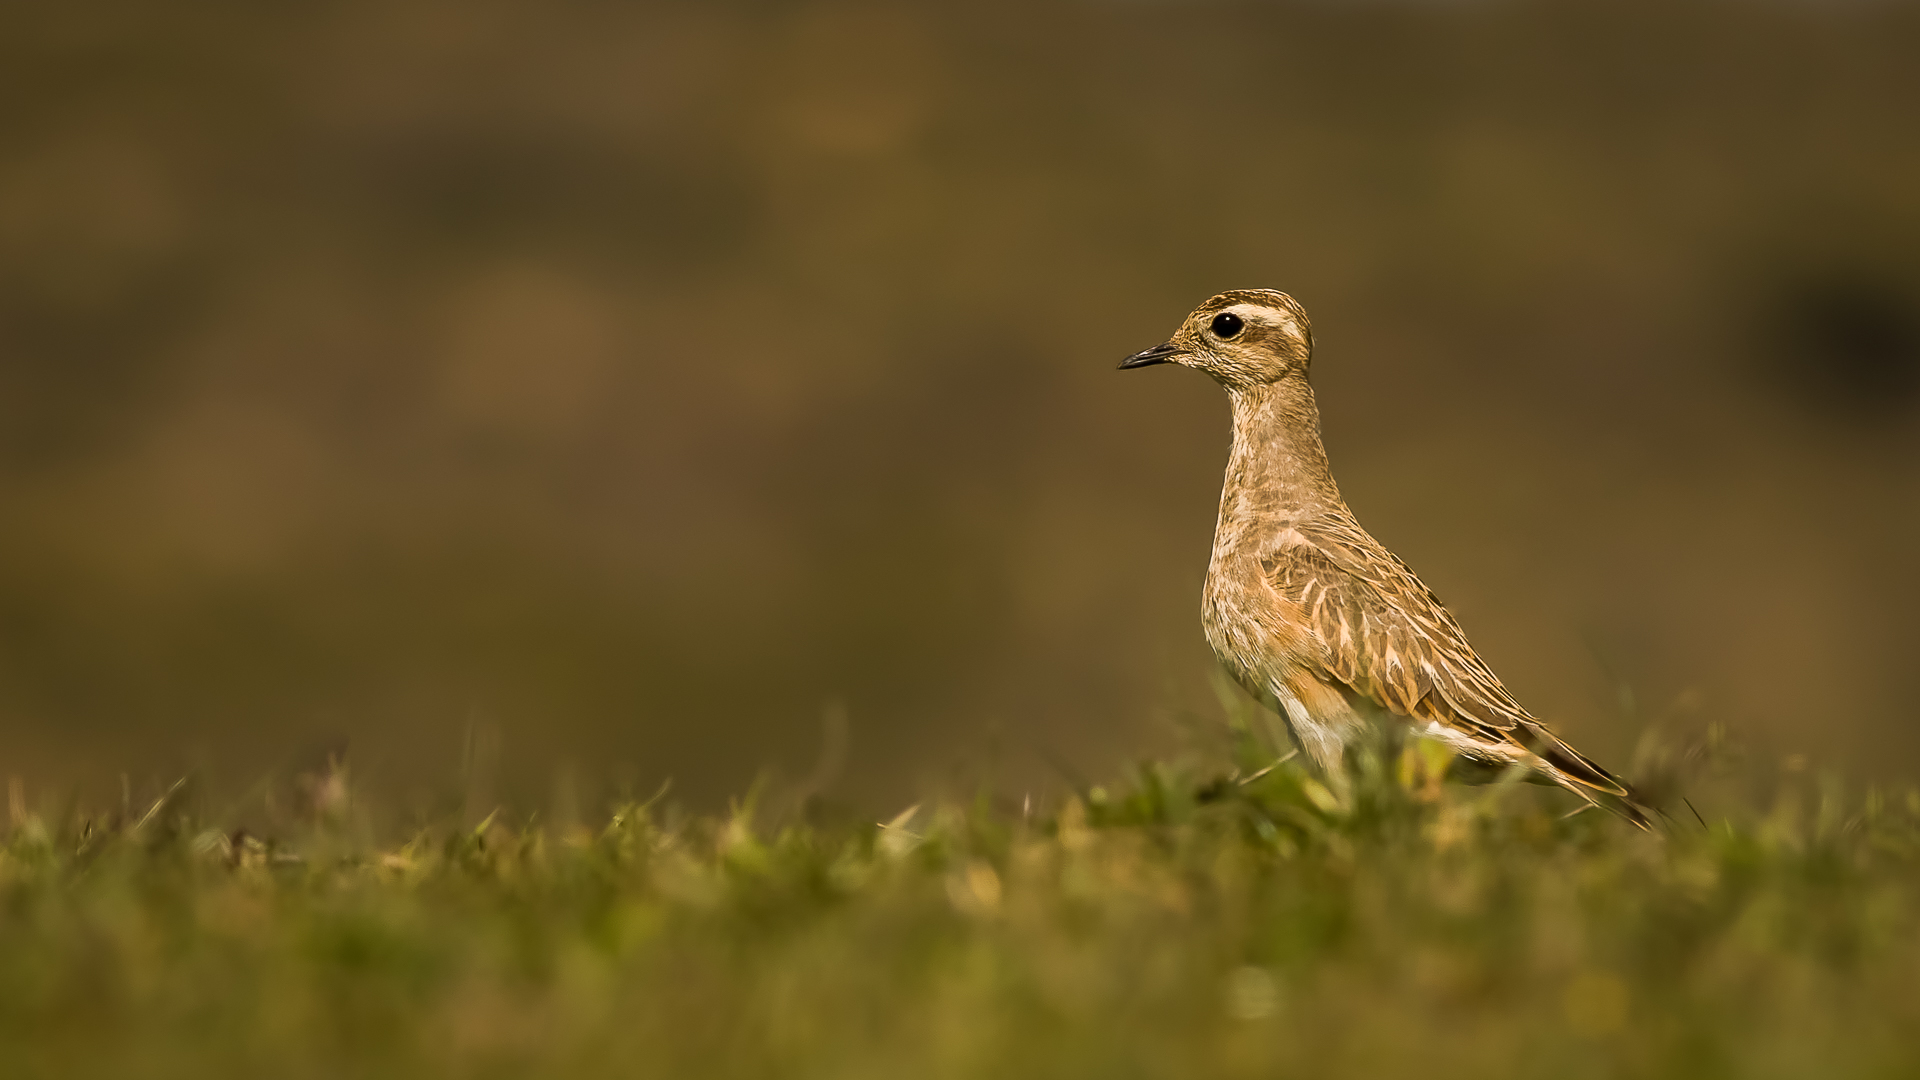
point(1584, 777)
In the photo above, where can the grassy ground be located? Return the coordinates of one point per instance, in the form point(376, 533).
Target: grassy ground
point(1172, 927)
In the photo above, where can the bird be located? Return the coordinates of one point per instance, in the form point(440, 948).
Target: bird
point(1313, 616)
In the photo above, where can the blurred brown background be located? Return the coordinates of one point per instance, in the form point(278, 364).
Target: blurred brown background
point(630, 382)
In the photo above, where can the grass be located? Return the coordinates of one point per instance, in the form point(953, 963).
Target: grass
point(1180, 925)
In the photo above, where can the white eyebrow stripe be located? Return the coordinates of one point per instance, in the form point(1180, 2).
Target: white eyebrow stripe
point(1260, 313)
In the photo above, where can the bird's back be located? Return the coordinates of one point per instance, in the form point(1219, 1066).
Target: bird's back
point(1360, 635)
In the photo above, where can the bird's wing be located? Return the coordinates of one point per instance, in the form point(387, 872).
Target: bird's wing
point(1384, 635)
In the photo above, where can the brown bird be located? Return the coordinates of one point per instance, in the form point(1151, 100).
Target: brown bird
point(1310, 613)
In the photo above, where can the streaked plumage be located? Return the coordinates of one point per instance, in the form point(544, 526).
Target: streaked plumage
point(1309, 612)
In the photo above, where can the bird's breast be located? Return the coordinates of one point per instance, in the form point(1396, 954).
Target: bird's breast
point(1254, 631)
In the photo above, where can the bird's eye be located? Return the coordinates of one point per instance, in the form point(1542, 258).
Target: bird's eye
point(1227, 324)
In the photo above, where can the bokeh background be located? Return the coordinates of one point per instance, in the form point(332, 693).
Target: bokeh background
point(622, 388)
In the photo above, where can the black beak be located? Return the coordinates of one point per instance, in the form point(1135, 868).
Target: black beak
point(1159, 354)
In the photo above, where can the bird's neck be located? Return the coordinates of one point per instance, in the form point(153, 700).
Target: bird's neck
point(1277, 472)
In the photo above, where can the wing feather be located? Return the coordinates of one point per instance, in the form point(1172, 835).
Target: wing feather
point(1383, 634)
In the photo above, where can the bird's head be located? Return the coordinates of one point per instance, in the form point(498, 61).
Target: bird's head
point(1244, 338)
